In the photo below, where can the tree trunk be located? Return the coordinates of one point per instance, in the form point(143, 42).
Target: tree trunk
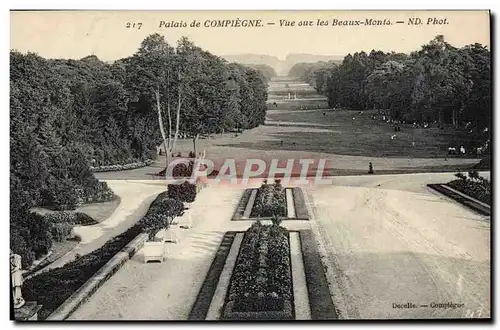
point(195, 138)
point(179, 104)
point(160, 123)
point(169, 152)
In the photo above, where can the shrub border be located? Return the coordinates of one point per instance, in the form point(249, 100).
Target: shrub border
point(83, 293)
point(205, 295)
point(468, 202)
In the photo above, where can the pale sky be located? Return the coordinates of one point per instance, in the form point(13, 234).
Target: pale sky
point(75, 34)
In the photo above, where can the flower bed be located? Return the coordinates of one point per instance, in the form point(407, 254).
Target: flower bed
point(270, 200)
point(474, 186)
point(53, 287)
point(121, 167)
point(261, 284)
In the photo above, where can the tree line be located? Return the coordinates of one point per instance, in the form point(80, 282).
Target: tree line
point(438, 83)
point(69, 115)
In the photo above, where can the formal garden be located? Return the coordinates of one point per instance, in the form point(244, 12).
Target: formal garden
point(266, 271)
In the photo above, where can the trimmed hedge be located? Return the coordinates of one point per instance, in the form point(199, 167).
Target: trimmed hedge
point(161, 212)
point(53, 287)
point(185, 192)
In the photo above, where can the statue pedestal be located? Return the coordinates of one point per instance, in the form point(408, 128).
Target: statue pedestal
point(29, 311)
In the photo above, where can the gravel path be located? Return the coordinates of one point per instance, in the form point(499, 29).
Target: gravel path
point(136, 196)
point(392, 240)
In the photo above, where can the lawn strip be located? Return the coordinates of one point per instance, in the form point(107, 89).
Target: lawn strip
point(219, 296)
point(251, 202)
point(301, 299)
point(300, 204)
point(203, 300)
point(238, 214)
point(290, 205)
point(320, 301)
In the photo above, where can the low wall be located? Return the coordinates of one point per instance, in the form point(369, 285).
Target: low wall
point(96, 281)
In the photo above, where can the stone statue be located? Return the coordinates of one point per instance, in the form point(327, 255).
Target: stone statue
point(17, 279)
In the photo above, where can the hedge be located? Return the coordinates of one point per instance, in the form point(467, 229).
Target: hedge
point(185, 192)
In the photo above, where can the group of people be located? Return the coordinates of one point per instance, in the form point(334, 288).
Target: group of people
point(453, 150)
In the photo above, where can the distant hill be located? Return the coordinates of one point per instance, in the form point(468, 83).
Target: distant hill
point(280, 66)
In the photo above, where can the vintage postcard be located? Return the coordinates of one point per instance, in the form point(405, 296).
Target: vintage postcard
point(250, 165)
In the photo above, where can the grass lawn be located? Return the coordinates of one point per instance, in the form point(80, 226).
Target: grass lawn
point(363, 136)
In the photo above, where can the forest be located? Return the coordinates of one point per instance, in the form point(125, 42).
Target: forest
point(68, 115)
point(438, 83)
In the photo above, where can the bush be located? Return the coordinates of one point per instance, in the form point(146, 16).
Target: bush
point(31, 237)
point(61, 194)
point(185, 192)
point(180, 170)
point(72, 218)
point(98, 192)
point(60, 231)
point(40, 236)
point(160, 214)
point(19, 245)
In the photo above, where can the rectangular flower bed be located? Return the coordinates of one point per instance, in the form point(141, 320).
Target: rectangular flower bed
point(270, 200)
point(261, 283)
